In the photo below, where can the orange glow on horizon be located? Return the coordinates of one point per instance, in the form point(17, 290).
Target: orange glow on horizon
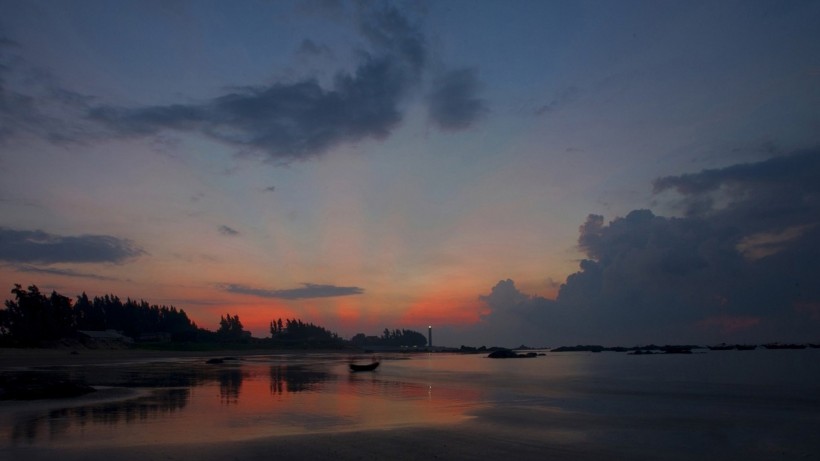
point(449, 310)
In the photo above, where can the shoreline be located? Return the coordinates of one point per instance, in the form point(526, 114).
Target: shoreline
point(15, 359)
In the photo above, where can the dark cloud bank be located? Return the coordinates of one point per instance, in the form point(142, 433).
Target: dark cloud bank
point(38, 247)
point(740, 264)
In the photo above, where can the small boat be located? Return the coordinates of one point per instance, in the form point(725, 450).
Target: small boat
point(368, 367)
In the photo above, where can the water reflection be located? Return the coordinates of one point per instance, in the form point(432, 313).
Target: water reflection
point(284, 379)
point(193, 402)
point(61, 422)
point(230, 383)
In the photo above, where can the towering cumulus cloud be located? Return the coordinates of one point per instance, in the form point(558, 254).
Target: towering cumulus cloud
point(742, 263)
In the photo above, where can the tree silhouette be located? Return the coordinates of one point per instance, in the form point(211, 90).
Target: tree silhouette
point(32, 318)
point(230, 328)
point(395, 338)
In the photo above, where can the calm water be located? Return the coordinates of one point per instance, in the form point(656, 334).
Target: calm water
point(736, 394)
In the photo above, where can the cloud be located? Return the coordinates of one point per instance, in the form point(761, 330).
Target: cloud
point(290, 121)
point(454, 101)
point(766, 196)
point(228, 231)
point(513, 317)
point(310, 48)
point(561, 98)
point(15, 108)
point(62, 272)
point(281, 121)
point(32, 102)
point(742, 268)
point(308, 290)
point(25, 246)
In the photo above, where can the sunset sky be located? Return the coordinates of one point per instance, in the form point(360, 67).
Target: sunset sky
point(538, 172)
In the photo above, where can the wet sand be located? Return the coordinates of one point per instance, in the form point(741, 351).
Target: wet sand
point(475, 440)
point(462, 443)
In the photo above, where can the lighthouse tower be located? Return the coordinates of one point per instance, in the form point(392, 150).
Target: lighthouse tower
point(430, 336)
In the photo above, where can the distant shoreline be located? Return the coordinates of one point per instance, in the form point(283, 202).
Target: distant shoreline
point(16, 358)
point(13, 358)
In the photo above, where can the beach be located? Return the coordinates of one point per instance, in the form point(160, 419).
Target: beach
point(567, 406)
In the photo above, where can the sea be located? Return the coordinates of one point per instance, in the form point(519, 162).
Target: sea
point(767, 401)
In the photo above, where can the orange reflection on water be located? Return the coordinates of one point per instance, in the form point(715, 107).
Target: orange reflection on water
point(249, 400)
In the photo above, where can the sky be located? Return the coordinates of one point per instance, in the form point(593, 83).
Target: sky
point(524, 172)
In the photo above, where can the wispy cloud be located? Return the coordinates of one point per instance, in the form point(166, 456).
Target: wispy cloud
point(454, 101)
point(27, 246)
point(561, 98)
point(61, 272)
point(228, 231)
point(310, 48)
point(32, 101)
point(307, 291)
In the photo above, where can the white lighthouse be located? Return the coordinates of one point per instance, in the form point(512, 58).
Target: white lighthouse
point(430, 336)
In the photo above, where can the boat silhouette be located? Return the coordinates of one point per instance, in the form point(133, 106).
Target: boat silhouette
point(368, 367)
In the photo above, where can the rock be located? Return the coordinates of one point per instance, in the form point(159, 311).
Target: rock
point(508, 354)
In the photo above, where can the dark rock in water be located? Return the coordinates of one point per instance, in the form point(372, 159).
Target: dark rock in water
point(784, 346)
point(640, 352)
point(677, 349)
point(503, 354)
point(33, 386)
point(579, 348)
point(217, 360)
point(508, 354)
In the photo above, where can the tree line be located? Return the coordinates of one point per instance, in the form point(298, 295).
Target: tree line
point(297, 330)
point(33, 318)
point(391, 338)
